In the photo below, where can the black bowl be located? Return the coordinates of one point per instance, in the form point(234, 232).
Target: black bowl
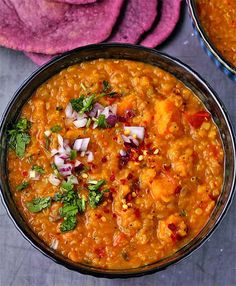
point(136, 53)
point(206, 43)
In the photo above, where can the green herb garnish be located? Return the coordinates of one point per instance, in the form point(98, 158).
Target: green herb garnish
point(73, 154)
point(47, 142)
point(95, 187)
point(38, 204)
point(68, 224)
point(22, 186)
point(88, 122)
point(72, 204)
point(68, 186)
point(95, 195)
point(38, 169)
point(56, 129)
point(19, 137)
point(102, 122)
point(105, 86)
point(106, 90)
point(95, 199)
point(77, 103)
point(83, 103)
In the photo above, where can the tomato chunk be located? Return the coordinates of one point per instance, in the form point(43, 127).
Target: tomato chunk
point(196, 120)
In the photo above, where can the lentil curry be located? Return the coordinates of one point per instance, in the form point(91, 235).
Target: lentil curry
point(115, 163)
point(218, 18)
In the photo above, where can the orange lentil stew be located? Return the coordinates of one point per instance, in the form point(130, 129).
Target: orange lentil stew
point(218, 18)
point(115, 163)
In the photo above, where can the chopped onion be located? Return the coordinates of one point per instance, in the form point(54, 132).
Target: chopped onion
point(90, 156)
point(130, 141)
point(78, 166)
point(69, 111)
point(47, 133)
point(65, 169)
point(54, 180)
point(54, 152)
point(106, 111)
point(82, 154)
point(80, 122)
point(54, 244)
point(112, 119)
point(122, 153)
point(67, 149)
point(77, 163)
point(96, 108)
point(72, 179)
point(64, 156)
point(60, 140)
point(113, 108)
point(81, 144)
point(58, 161)
point(136, 130)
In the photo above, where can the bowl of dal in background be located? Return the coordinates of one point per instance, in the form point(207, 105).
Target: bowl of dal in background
point(206, 41)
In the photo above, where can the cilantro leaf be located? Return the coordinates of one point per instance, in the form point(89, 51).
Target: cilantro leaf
point(68, 186)
point(77, 103)
point(95, 187)
point(56, 128)
point(105, 86)
point(22, 186)
point(83, 103)
point(22, 140)
point(38, 169)
point(68, 224)
point(38, 204)
point(95, 195)
point(102, 122)
point(73, 154)
point(106, 90)
point(23, 125)
point(81, 203)
point(95, 198)
point(19, 136)
point(88, 103)
point(68, 210)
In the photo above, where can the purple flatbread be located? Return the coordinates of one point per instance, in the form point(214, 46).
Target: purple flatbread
point(138, 18)
point(170, 13)
point(39, 59)
point(47, 27)
point(78, 2)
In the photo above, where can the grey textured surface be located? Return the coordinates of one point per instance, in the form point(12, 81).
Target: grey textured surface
point(213, 264)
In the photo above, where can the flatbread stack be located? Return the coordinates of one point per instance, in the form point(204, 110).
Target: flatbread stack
point(45, 28)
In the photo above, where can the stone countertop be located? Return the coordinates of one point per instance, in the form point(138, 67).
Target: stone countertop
point(213, 264)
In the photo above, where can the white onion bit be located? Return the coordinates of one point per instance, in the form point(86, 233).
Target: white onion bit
point(90, 156)
point(122, 153)
point(81, 144)
point(58, 161)
point(54, 244)
point(79, 123)
point(54, 180)
point(69, 111)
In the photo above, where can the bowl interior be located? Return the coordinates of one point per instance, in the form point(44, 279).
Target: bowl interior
point(207, 41)
point(136, 53)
